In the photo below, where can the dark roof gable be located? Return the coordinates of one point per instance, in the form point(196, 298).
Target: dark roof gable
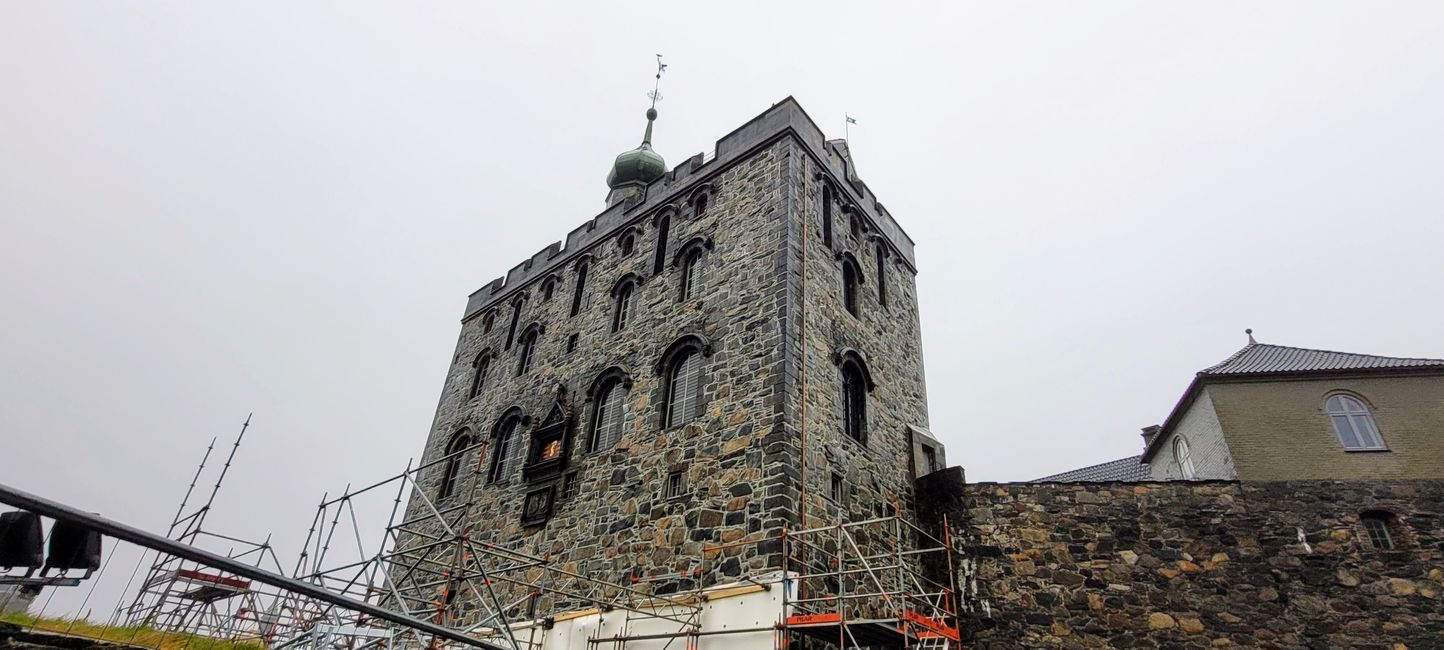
point(1261, 358)
point(1130, 469)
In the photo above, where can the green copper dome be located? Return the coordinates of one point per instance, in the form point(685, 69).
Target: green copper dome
point(639, 166)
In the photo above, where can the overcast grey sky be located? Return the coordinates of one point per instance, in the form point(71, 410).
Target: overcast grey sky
point(216, 208)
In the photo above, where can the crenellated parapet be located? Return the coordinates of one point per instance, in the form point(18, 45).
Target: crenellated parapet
point(784, 119)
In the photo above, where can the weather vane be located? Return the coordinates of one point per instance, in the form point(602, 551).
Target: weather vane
point(656, 93)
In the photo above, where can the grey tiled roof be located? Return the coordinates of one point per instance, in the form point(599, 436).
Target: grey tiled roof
point(1263, 358)
point(1124, 469)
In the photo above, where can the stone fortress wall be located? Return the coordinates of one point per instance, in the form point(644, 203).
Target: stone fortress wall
point(1197, 564)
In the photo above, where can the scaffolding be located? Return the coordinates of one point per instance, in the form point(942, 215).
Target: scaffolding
point(393, 544)
point(178, 595)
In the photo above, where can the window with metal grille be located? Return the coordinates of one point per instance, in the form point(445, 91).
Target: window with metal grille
point(1353, 422)
point(607, 416)
point(452, 467)
point(570, 486)
point(572, 343)
point(684, 389)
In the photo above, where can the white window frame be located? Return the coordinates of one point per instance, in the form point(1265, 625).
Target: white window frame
point(1352, 410)
point(1183, 457)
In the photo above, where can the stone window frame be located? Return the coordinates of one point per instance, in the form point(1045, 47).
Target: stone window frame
point(529, 340)
point(699, 199)
point(1183, 457)
point(507, 434)
point(675, 486)
point(479, 366)
point(851, 362)
point(516, 304)
point(662, 225)
point(579, 290)
point(549, 287)
point(488, 321)
point(627, 241)
point(851, 292)
point(624, 300)
point(691, 253)
point(1364, 414)
point(837, 488)
point(827, 194)
point(1395, 531)
point(881, 253)
point(613, 376)
point(451, 459)
point(667, 366)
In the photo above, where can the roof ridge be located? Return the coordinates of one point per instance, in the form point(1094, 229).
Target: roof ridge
point(1231, 358)
point(1352, 354)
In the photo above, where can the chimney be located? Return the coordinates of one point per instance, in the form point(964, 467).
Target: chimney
point(1149, 433)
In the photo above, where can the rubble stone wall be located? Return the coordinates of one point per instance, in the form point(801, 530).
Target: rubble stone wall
point(1199, 564)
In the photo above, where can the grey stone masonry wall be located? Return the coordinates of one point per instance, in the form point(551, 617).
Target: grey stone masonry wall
point(618, 524)
point(1198, 564)
point(769, 310)
point(876, 473)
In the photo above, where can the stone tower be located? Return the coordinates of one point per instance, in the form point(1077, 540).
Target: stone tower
point(730, 348)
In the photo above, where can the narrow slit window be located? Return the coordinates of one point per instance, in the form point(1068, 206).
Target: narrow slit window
point(659, 261)
point(580, 290)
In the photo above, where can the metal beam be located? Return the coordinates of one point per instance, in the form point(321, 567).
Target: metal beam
point(45, 507)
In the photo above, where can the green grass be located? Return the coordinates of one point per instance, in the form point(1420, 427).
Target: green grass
point(135, 636)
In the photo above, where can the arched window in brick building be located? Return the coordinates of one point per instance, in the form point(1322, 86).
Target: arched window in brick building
point(451, 468)
point(856, 383)
point(681, 372)
point(608, 395)
point(526, 355)
point(479, 366)
point(505, 442)
point(1353, 422)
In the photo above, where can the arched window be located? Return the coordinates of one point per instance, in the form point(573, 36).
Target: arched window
point(504, 447)
point(856, 382)
point(527, 352)
point(827, 215)
point(1182, 457)
point(609, 397)
point(681, 371)
point(1380, 526)
point(628, 244)
point(623, 302)
point(699, 205)
point(664, 226)
point(488, 321)
point(851, 281)
point(515, 318)
point(1353, 422)
point(580, 289)
point(479, 366)
point(548, 288)
point(881, 254)
point(451, 467)
point(691, 274)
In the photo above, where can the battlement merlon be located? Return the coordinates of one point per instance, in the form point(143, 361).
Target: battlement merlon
point(785, 118)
